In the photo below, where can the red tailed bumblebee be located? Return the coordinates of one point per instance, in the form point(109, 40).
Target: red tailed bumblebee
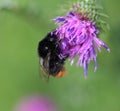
point(48, 52)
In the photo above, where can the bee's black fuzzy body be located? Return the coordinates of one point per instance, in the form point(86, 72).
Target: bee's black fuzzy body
point(49, 51)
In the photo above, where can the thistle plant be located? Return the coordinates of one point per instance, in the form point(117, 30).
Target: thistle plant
point(78, 32)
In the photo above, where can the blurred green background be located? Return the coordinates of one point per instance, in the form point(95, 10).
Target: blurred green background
point(23, 23)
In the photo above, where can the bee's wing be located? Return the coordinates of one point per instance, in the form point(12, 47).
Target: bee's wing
point(44, 67)
point(43, 75)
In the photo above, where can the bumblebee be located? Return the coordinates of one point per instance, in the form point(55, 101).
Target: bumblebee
point(48, 52)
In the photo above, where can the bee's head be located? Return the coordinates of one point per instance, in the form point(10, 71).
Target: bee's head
point(43, 48)
point(48, 44)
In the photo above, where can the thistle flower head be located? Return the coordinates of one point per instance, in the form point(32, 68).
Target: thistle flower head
point(78, 35)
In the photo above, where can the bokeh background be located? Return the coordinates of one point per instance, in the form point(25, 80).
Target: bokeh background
point(23, 23)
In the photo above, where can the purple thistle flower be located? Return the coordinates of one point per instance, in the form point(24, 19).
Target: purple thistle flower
point(79, 37)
